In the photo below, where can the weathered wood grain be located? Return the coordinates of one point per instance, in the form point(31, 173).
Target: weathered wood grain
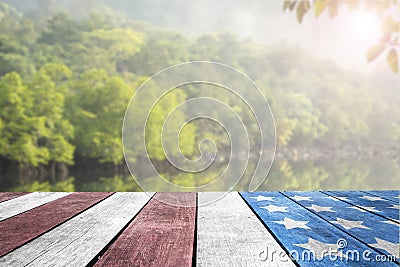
point(229, 234)
point(361, 225)
point(77, 241)
point(23, 227)
point(73, 229)
point(301, 231)
point(4, 196)
point(27, 202)
point(160, 235)
point(384, 208)
point(392, 195)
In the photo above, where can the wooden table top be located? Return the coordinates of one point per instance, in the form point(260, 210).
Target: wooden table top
point(319, 228)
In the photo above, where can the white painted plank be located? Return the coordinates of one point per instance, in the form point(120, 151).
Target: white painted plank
point(79, 240)
point(27, 202)
point(229, 234)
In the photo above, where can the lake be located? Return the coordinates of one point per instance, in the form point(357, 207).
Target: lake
point(323, 174)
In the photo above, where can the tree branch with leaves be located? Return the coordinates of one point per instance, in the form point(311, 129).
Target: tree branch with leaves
point(388, 44)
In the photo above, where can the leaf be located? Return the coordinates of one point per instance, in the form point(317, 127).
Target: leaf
point(292, 5)
point(393, 60)
point(333, 8)
point(374, 51)
point(286, 4)
point(289, 4)
point(319, 7)
point(389, 25)
point(302, 9)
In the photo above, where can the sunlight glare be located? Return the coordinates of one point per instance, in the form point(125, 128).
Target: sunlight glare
point(366, 26)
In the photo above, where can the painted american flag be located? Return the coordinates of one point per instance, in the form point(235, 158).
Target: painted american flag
point(334, 228)
point(320, 228)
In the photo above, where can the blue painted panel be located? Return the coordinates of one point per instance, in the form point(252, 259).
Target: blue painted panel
point(304, 234)
point(365, 226)
point(392, 195)
point(377, 205)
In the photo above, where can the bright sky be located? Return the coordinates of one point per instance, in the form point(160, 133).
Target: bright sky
point(344, 39)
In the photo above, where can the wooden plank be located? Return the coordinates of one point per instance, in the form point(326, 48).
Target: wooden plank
point(392, 195)
point(382, 207)
point(361, 225)
point(310, 240)
point(4, 196)
point(26, 226)
point(27, 202)
point(77, 241)
point(160, 235)
point(229, 234)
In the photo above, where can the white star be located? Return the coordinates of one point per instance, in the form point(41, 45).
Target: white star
point(320, 249)
point(332, 198)
point(261, 198)
point(320, 208)
point(290, 224)
point(273, 208)
point(371, 198)
point(372, 209)
point(390, 247)
point(394, 207)
point(346, 224)
point(300, 198)
point(392, 222)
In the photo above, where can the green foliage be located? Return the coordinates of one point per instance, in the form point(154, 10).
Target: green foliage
point(48, 99)
point(65, 85)
point(65, 185)
point(393, 60)
point(20, 131)
point(117, 183)
point(35, 131)
point(109, 49)
point(14, 56)
point(161, 49)
point(302, 8)
point(98, 104)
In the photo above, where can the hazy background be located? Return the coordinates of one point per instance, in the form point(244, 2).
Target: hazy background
point(337, 116)
point(344, 39)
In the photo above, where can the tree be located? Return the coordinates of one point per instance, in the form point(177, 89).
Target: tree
point(20, 132)
point(97, 106)
point(13, 56)
point(110, 47)
point(136, 118)
point(161, 49)
point(48, 93)
point(60, 30)
point(390, 40)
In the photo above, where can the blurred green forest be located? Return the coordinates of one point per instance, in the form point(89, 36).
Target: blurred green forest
point(66, 80)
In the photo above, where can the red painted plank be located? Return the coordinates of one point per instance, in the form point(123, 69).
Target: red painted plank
point(160, 235)
point(4, 196)
point(23, 227)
